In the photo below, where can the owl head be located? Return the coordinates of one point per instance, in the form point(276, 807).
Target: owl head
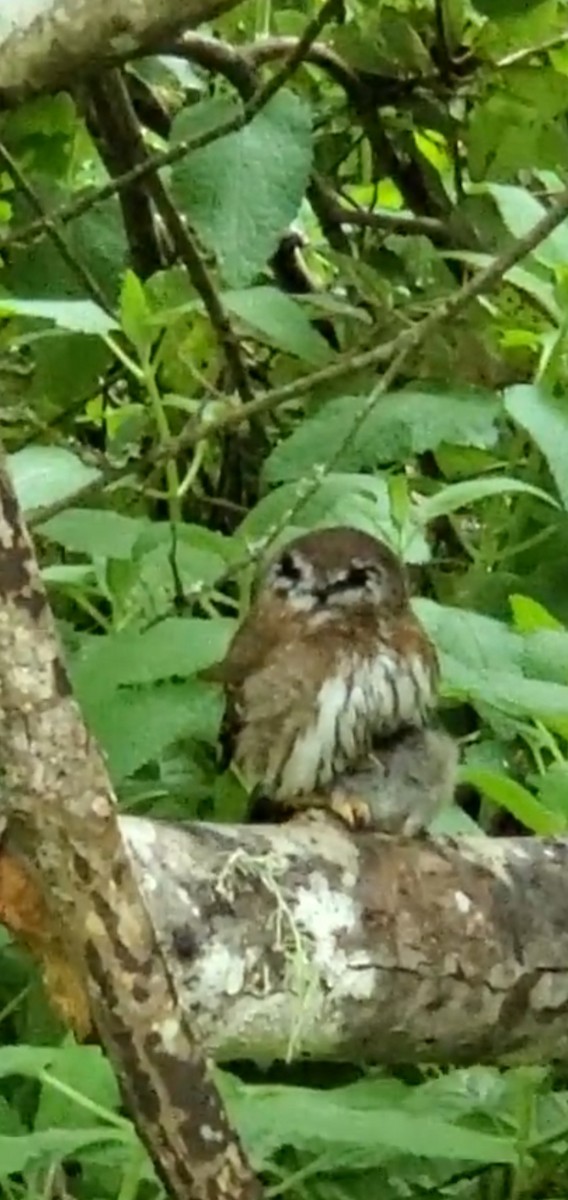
point(338, 568)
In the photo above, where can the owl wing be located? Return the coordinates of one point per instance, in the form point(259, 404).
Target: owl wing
point(244, 658)
point(266, 689)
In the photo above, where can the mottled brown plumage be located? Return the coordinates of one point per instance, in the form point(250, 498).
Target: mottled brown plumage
point(329, 660)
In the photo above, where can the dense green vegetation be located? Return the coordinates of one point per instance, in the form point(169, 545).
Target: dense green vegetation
point(412, 146)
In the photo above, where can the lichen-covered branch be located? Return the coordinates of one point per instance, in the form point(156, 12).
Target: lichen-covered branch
point(61, 818)
point(304, 939)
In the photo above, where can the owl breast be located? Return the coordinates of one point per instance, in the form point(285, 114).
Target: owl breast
point(364, 699)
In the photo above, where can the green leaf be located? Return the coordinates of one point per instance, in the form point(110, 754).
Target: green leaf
point(545, 418)
point(521, 211)
point(469, 491)
point(134, 725)
point(82, 1070)
point(400, 425)
point(20, 1153)
point(46, 475)
point(26, 1060)
point(489, 664)
point(99, 533)
point(240, 192)
point(280, 321)
point(322, 1122)
point(545, 654)
point(175, 647)
point(205, 117)
point(517, 800)
point(135, 313)
point(79, 316)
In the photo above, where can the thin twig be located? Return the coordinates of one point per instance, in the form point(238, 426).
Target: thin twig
point(388, 222)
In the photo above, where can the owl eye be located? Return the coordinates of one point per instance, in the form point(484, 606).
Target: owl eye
point(289, 568)
point(357, 577)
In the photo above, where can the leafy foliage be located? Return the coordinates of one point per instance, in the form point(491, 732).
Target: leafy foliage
point(408, 149)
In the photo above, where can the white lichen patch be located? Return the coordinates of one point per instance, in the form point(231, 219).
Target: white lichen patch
point(141, 837)
point(463, 902)
point(221, 973)
point(168, 1033)
point(323, 913)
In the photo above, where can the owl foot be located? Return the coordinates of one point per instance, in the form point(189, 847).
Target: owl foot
point(352, 810)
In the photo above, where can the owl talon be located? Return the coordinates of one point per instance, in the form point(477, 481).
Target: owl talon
point(352, 810)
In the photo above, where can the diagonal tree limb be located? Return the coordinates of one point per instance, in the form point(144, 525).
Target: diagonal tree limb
point(61, 814)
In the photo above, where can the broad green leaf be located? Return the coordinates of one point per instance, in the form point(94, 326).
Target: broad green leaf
point(315, 1122)
point(489, 664)
point(79, 316)
point(469, 491)
point(46, 475)
point(521, 211)
point(516, 800)
point(176, 647)
point(280, 321)
point(205, 117)
point(400, 425)
point(134, 725)
point(26, 1060)
point(478, 641)
point(545, 418)
point(545, 654)
point(240, 192)
point(84, 1071)
point(99, 533)
point(20, 1153)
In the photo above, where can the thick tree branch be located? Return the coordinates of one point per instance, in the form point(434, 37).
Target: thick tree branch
point(61, 816)
point(302, 938)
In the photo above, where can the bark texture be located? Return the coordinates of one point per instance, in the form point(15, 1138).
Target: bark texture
point(61, 818)
point(302, 939)
point(47, 48)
